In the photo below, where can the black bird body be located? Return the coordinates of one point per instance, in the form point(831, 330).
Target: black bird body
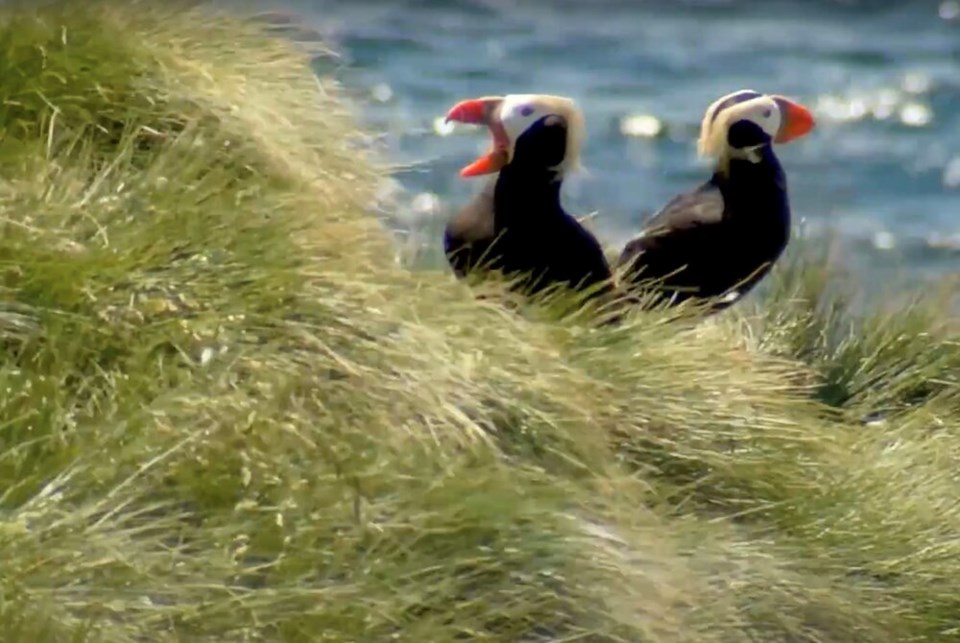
point(719, 240)
point(517, 225)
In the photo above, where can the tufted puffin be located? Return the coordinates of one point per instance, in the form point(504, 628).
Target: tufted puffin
point(717, 241)
point(516, 224)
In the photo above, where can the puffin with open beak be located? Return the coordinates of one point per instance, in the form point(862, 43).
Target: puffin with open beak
point(516, 223)
point(716, 242)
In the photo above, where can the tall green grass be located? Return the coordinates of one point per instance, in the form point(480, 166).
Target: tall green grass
point(229, 414)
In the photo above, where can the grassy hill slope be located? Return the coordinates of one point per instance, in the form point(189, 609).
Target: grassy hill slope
point(228, 414)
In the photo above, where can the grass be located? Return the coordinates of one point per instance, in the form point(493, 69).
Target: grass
point(230, 414)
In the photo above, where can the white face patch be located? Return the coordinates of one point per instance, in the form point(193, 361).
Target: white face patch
point(749, 105)
point(518, 112)
point(728, 101)
point(762, 111)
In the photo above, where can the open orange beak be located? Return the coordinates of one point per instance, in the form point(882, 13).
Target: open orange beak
point(483, 111)
point(796, 120)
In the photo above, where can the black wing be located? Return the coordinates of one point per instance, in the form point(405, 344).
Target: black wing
point(681, 226)
point(469, 234)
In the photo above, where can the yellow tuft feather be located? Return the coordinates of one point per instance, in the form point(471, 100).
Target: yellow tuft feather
point(576, 128)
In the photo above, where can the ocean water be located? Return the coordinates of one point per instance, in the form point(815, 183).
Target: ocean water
point(879, 178)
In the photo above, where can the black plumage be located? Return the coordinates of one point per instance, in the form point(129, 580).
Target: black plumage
point(718, 241)
point(518, 226)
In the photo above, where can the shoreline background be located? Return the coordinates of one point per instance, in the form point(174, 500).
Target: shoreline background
point(229, 414)
point(878, 180)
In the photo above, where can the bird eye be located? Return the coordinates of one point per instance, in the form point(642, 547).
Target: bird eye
point(526, 110)
point(766, 113)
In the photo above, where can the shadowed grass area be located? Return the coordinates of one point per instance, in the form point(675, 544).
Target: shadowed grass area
point(229, 414)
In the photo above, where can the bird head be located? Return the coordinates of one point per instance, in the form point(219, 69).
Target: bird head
point(532, 129)
point(739, 124)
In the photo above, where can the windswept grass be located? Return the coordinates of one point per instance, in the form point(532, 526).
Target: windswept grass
point(229, 415)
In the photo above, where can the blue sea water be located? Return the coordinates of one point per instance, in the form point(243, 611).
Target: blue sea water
point(879, 178)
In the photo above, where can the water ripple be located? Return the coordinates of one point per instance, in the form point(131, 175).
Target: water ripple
point(883, 78)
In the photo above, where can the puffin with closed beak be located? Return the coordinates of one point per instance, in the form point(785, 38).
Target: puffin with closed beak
point(717, 241)
point(516, 224)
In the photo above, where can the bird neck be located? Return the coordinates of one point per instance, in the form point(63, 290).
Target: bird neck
point(763, 166)
point(527, 195)
point(754, 188)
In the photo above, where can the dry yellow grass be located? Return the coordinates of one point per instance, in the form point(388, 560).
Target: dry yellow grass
point(230, 415)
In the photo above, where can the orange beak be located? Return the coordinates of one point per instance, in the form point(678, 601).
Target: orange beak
point(796, 119)
point(483, 111)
